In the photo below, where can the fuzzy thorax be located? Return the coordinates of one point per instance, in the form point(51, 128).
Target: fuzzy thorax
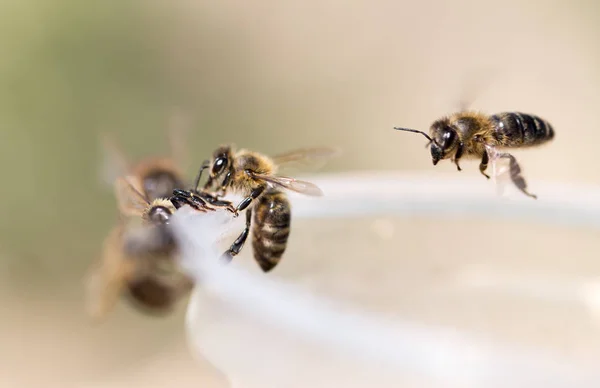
point(248, 161)
point(472, 129)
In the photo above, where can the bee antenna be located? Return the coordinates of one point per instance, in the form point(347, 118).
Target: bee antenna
point(415, 131)
point(143, 195)
point(204, 166)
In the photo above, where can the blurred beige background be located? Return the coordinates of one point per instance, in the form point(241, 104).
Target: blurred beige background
point(266, 75)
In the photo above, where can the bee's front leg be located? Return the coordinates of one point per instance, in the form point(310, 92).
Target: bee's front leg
point(196, 201)
point(227, 205)
point(458, 155)
point(214, 201)
point(223, 190)
point(204, 166)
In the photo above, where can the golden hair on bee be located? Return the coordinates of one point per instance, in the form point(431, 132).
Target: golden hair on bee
point(138, 259)
point(477, 135)
point(255, 176)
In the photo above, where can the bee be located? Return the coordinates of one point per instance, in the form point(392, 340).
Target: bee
point(267, 207)
point(475, 135)
point(148, 180)
point(139, 256)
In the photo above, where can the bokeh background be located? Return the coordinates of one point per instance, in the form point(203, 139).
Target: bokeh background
point(270, 76)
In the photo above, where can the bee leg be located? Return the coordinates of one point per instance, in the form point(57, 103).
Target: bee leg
point(248, 200)
point(225, 204)
point(458, 155)
point(223, 190)
point(182, 197)
point(204, 166)
point(515, 175)
point(238, 244)
point(214, 201)
point(484, 163)
point(226, 181)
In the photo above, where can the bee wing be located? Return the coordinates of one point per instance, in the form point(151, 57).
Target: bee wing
point(473, 85)
point(315, 157)
point(178, 130)
point(130, 201)
point(499, 169)
point(106, 279)
point(114, 162)
point(292, 184)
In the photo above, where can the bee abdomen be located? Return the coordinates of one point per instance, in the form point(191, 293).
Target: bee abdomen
point(271, 229)
point(514, 129)
point(151, 295)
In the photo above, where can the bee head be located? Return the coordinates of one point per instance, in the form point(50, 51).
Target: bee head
point(159, 215)
point(160, 183)
point(444, 140)
point(221, 161)
point(159, 212)
point(217, 166)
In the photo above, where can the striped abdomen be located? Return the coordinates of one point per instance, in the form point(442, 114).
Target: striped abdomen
point(514, 129)
point(271, 228)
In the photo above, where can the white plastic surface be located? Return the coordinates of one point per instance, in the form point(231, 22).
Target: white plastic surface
point(262, 332)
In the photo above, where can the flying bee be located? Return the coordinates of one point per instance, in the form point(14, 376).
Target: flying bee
point(268, 209)
point(475, 135)
point(139, 256)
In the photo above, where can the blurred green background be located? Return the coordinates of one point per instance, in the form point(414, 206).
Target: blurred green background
point(266, 75)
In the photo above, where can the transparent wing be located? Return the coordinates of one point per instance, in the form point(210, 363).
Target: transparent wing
point(114, 163)
point(498, 169)
point(106, 279)
point(314, 157)
point(130, 201)
point(292, 184)
point(473, 85)
point(178, 133)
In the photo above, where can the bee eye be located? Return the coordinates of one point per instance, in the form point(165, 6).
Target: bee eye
point(218, 165)
point(160, 214)
point(449, 137)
